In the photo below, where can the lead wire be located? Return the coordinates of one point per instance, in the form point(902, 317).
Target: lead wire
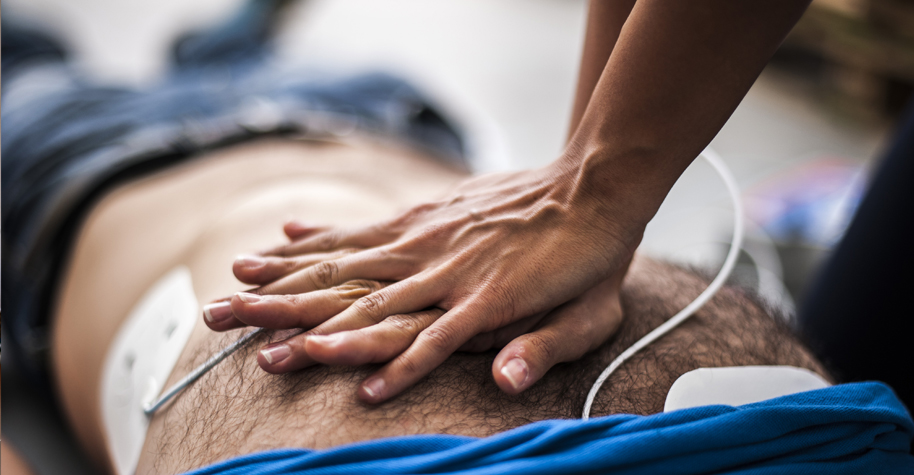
point(209, 364)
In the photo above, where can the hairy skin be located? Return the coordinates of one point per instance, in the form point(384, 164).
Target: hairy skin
point(203, 212)
point(487, 222)
point(237, 409)
point(506, 252)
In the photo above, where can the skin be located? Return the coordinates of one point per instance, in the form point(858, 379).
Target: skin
point(199, 214)
point(510, 259)
point(11, 463)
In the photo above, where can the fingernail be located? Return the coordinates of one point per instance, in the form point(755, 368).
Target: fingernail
point(247, 297)
point(374, 387)
point(516, 372)
point(250, 261)
point(276, 354)
point(326, 340)
point(217, 312)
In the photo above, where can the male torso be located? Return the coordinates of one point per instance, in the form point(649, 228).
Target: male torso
point(201, 214)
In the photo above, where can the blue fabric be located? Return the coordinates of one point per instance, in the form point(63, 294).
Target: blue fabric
point(852, 428)
point(66, 141)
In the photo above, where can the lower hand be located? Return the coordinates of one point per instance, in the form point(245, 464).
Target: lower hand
point(530, 261)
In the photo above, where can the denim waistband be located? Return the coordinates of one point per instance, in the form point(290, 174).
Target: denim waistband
point(62, 149)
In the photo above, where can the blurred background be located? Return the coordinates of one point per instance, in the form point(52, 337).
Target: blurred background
point(800, 144)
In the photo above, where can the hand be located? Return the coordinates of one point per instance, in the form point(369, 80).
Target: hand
point(532, 259)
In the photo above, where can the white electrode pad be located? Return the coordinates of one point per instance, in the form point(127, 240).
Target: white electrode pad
point(141, 358)
point(738, 385)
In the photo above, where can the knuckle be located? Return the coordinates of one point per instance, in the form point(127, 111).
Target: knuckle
point(356, 289)
point(289, 299)
point(403, 323)
point(498, 303)
point(411, 365)
point(287, 265)
point(328, 240)
point(373, 306)
point(325, 274)
point(383, 253)
point(370, 285)
point(438, 340)
point(346, 252)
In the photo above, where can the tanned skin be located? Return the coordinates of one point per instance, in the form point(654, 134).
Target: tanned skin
point(513, 258)
point(199, 213)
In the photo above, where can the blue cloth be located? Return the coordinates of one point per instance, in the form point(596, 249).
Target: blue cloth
point(846, 429)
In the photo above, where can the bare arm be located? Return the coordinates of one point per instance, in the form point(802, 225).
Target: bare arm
point(677, 72)
point(604, 23)
point(522, 258)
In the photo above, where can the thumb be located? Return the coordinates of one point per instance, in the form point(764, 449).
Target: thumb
point(566, 334)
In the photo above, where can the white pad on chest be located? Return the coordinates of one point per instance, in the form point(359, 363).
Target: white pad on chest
point(141, 358)
point(738, 385)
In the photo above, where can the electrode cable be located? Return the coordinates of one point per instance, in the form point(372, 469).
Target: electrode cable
point(712, 158)
point(730, 182)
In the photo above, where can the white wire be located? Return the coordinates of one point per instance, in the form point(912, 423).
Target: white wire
point(715, 161)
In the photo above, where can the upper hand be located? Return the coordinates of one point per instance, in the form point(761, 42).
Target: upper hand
point(529, 260)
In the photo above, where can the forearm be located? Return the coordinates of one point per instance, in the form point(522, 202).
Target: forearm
point(521, 260)
point(676, 73)
point(604, 23)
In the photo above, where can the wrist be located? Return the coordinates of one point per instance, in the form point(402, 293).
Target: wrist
point(632, 180)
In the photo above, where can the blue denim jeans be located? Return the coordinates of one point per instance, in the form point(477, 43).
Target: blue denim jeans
point(65, 141)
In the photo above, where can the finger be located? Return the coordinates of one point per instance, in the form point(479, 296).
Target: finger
point(300, 310)
point(372, 344)
point(430, 349)
point(333, 239)
point(285, 311)
point(260, 270)
point(500, 337)
point(567, 334)
point(400, 298)
point(295, 230)
point(373, 264)
point(218, 315)
point(407, 296)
